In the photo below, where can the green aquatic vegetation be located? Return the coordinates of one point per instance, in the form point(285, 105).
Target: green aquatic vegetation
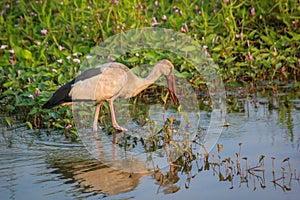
point(44, 43)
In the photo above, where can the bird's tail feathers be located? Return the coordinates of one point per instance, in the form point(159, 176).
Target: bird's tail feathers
point(60, 96)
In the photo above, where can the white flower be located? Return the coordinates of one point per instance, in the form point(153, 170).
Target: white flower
point(60, 61)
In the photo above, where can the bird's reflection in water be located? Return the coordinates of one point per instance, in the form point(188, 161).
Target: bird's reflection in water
point(108, 181)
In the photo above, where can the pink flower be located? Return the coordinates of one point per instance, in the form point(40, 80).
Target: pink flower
point(182, 30)
point(31, 96)
point(248, 43)
point(186, 27)
point(69, 126)
point(275, 49)
point(44, 31)
point(217, 38)
point(54, 70)
point(3, 46)
point(68, 57)
point(164, 18)
point(250, 56)
point(154, 22)
point(37, 92)
point(111, 58)
point(252, 11)
point(242, 35)
point(60, 61)
point(156, 3)
point(299, 61)
point(196, 9)
point(76, 60)
point(215, 11)
point(61, 48)
point(11, 51)
point(204, 47)
point(12, 62)
point(180, 13)
point(283, 69)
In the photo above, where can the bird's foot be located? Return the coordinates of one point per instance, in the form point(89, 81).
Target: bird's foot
point(117, 127)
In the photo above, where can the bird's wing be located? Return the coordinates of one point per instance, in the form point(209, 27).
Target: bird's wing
point(100, 83)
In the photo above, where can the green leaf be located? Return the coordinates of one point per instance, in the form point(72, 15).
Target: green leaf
point(218, 48)
point(29, 124)
point(278, 65)
point(132, 59)
point(8, 84)
point(61, 79)
point(297, 84)
point(8, 121)
point(74, 133)
point(33, 111)
point(267, 40)
point(27, 54)
point(10, 107)
point(23, 53)
point(188, 48)
point(57, 125)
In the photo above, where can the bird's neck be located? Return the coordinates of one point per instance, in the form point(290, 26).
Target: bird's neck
point(144, 83)
point(153, 76)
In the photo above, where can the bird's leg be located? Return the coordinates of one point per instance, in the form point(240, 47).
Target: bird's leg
point(113, 117)
point(95, 124)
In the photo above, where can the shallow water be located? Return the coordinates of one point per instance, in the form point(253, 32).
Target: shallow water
point(34, 165)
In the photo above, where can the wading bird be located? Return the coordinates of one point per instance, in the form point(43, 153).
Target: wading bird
point(108, 82)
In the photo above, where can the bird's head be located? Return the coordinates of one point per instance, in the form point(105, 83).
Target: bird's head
point(167, 69)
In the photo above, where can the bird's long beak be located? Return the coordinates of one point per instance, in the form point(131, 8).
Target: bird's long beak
point(172, 88)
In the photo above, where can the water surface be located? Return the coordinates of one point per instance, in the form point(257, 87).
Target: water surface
point(37, 165)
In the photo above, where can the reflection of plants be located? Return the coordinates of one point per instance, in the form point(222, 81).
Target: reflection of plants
point(237, 173)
